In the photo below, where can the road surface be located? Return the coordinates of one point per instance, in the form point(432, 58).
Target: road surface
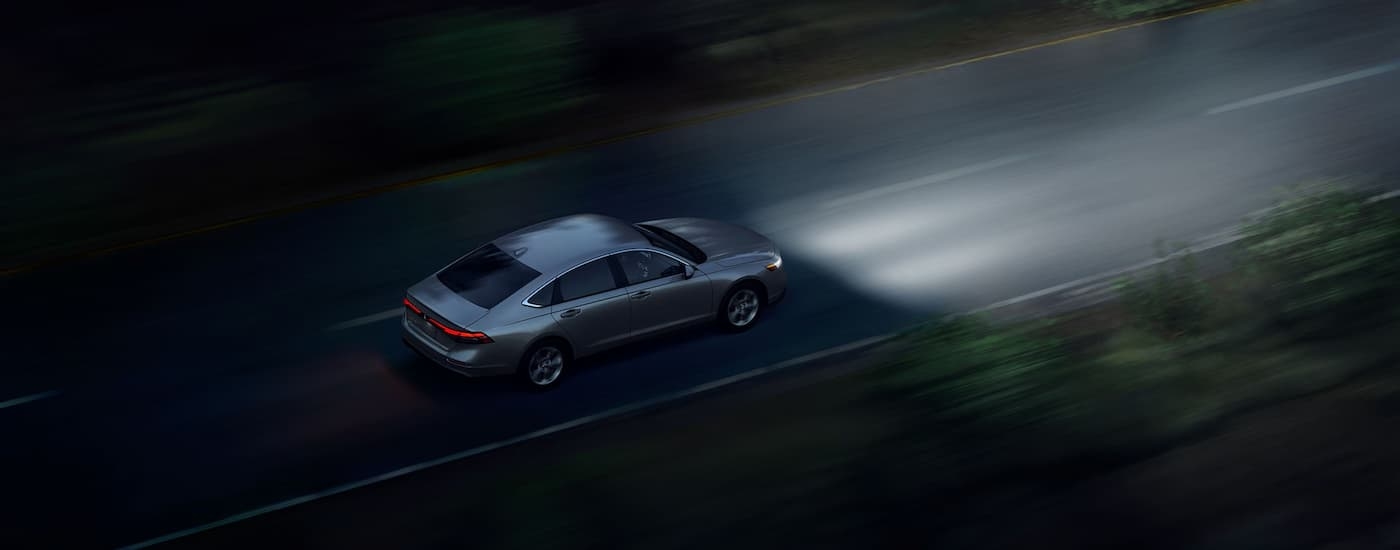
point(164, 387)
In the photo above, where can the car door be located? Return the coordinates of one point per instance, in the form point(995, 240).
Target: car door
point(662, 296)
point(592, 307)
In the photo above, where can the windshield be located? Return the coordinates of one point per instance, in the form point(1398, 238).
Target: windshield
point(670, 242)
point(486, 276)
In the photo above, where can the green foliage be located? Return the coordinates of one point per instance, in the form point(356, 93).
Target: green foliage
point(1172, 300)
point(977, 400)
point(240, 111)
point(1327, 254)
point(1125, 9)
point(1137, 350)
point(1149, 388)
point(970, 375)
point(450, 79)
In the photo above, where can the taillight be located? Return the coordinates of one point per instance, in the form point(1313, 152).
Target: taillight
point(463, 335)
point(460, 335)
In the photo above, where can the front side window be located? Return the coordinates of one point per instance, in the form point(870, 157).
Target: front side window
point(586, 280)
point(640, 266)
point(662, 238)
point(486, 276)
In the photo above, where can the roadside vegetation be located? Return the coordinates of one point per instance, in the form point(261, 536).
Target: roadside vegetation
point(1124, 9)
point(962, 419)
point(163, 117)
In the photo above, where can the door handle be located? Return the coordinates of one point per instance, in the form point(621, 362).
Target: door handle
point(571, 313)
point(642, 295)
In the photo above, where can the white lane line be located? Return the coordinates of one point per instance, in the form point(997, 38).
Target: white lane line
point(371, 318)
point(27, 399)
point(928, 180)
point(1305, 88)
point(590, 419)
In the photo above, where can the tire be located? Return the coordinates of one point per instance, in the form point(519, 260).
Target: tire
point(535, 373)
point(740, 307)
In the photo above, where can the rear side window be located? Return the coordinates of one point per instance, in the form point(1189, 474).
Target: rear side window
point(544, 297)
point(588, 279)
point(486, 276)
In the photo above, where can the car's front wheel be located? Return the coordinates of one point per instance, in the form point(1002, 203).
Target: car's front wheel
point(543, 364)
point(740, 307)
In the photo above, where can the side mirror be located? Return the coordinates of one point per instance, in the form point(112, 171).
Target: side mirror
point(689, 271)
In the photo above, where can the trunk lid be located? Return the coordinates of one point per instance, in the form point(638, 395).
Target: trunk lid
point(441, 303)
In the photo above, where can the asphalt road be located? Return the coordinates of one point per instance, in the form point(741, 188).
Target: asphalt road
point(206, 376)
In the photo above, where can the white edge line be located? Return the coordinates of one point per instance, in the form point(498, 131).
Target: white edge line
point(590, 419)
point(371, 318)
point(27, 399)
point(1213, 241)
point(1384, 196)
point(1305, 88)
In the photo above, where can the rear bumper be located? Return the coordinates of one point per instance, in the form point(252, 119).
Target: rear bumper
point(415, 343)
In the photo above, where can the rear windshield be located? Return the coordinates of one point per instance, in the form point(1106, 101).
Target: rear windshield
point(486, 276)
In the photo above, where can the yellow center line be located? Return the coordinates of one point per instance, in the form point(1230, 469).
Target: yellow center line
point(554, 151)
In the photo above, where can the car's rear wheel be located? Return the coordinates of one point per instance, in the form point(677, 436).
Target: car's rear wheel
point(543, 364)
point(740, 307)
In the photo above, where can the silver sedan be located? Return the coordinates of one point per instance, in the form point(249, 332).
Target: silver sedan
point(532, 301)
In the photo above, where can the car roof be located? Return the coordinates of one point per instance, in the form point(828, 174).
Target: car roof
point(561, 243)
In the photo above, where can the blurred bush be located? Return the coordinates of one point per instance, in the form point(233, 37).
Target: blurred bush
point(978, 397)
point(1327, 256)
point(988, 7)
point(443, 80)
point(1172, 299)
point(967, 371)
point(1123, 9)
point(982, 398)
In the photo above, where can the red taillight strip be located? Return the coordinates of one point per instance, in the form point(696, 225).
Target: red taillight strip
point(476, 336)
